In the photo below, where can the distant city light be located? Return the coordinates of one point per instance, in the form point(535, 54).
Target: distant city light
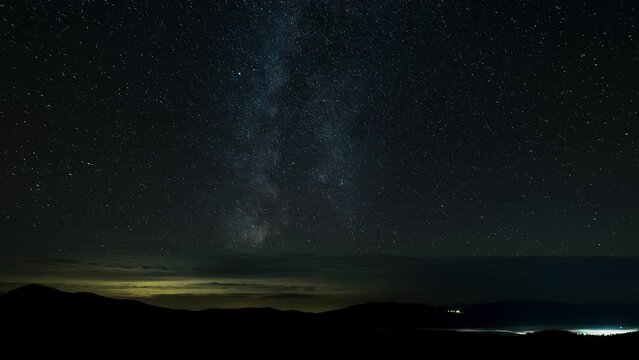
point(580, 331)
point(602, 331)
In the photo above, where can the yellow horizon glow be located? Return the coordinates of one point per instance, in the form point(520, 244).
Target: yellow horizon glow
point(199, 293)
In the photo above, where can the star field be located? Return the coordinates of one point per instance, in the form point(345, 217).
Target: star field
point(430, 128)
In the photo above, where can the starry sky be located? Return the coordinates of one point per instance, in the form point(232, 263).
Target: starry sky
point(283, 153)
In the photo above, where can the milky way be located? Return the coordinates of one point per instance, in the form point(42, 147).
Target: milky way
point(288, 140)
point(258, 122)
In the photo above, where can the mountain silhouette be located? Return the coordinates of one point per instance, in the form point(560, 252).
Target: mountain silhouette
point(63, 322)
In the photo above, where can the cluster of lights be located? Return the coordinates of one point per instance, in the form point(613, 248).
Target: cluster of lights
point(580, 331)
point(602, 332)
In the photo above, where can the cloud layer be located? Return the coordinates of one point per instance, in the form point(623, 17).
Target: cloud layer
point(320, 283)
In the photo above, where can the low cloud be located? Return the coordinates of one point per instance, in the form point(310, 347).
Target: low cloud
point(315, 282)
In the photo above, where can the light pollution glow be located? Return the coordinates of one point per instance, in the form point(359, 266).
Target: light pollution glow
point(202, 293)
point(602, 332)
point(317, 283)
point(580, 331)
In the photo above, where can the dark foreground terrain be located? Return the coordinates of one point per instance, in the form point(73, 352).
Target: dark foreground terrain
point(47, 323)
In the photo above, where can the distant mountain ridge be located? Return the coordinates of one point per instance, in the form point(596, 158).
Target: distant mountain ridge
point(41, 322)
point(41, 304)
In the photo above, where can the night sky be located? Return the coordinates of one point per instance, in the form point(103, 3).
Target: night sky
point(311, 154)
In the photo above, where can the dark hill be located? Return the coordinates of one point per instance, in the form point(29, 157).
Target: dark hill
point(392, 315)
point(41, 321)
point(41, 304)
point(549, 314)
